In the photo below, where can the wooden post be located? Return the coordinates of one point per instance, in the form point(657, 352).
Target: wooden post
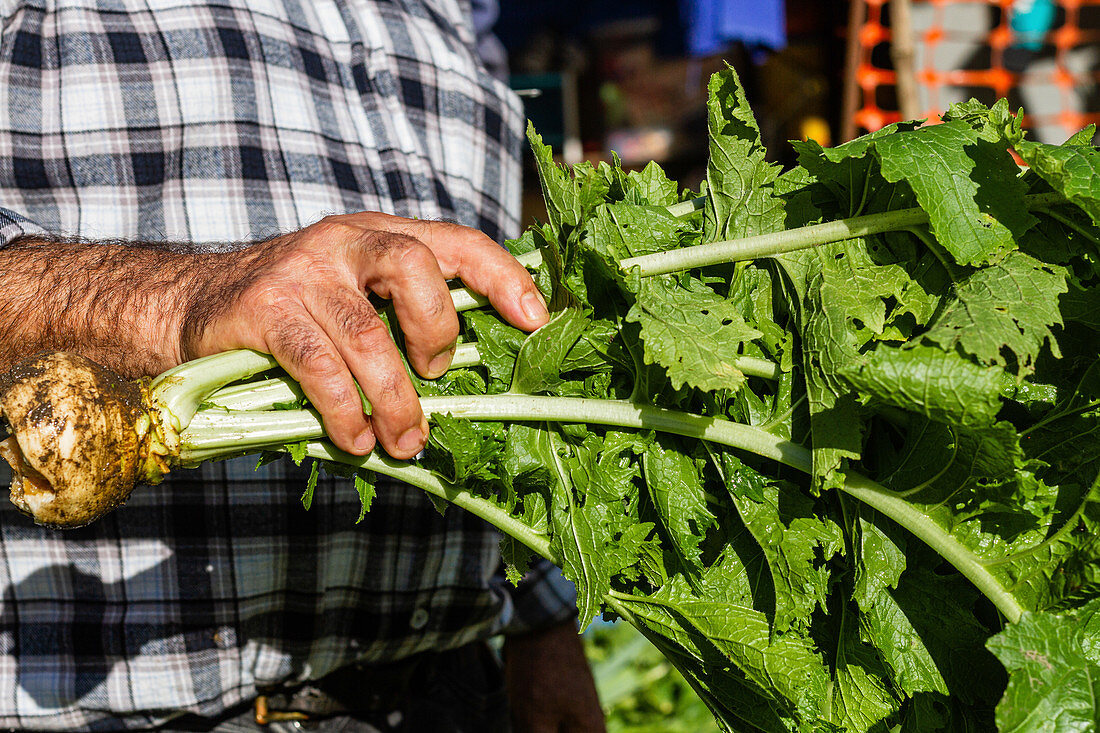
point(901, 52)
point(857, 11)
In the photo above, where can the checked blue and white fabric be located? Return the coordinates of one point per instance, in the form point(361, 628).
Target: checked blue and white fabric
point(218, 122)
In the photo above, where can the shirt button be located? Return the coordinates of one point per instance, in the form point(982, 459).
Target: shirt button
point(419, 618)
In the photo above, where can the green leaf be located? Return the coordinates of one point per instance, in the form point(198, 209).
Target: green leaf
point(843, 306)
point(364, 487)
point(266, 457)
point(311, 484)
point(579, 540)
point(696, 335)
point(938, 384)
point(464, 451)
point(1081, 306)
point(862, 698)
point(538, 364)
point(497, 343)
point(785, 668)
point(1071, 170)
point(881, 562)
point(850, 173)
point(297, 452)
point(740, 480)
point(570, 196)
point(585, 535)
point(995, 124)
point(1003, 314)
point(620, 231)
point(651, 186)
point(1062, 237)
point(606, 470)
point(517, 559)
point(1053, 684)
point(968, 185)
point(741, 200)
point(799, 545)
point(592, 350)
point(676, 491)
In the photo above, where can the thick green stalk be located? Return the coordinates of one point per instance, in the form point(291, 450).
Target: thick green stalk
point(204, 443)
point(429, 482)
point(619, 413)
point(761, 245)
point(752, 366)
point(687, 207)
point(283, 391)
point(767, 245)
point(920, 524)
point(216, 432)
point(270, 394)
point(178, 392)
point(217, 428)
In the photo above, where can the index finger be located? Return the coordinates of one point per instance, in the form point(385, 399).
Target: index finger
point(483, 266)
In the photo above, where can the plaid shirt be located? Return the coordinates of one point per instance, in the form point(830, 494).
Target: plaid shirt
point(215, 121)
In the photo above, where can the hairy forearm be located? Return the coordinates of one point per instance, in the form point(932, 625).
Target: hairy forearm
point(123, 305)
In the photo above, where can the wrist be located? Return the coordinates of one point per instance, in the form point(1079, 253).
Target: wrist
point(211, 317)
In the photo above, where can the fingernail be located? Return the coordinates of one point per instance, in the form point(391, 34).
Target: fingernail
point(440, 363)
point(363, 441)
point(410, 440)
point(534, 306)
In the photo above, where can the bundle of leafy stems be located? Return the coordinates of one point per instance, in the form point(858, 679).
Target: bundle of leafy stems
point(217, 422)
point(913, 343)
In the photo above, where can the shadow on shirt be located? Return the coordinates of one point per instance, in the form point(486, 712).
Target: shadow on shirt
point(69, 631)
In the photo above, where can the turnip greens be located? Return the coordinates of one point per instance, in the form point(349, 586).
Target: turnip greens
point(841, 467)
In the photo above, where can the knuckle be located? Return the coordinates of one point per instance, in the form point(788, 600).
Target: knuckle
point(417, 256)
point(346, 400)
point(436, 307)
point(324, 365)
point(355, 320)
point(333, 226)
point(299, 344)
point(291, 341)
point(281, 301)
point(392, 403)
point(451, 228)
point(391, 387)
point(335, 233)
point(382, 243)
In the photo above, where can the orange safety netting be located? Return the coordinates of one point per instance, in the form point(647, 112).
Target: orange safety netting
point(934, 83)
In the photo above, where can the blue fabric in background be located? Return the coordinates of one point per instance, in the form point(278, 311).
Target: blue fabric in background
point(691, 27)
point(712, 25)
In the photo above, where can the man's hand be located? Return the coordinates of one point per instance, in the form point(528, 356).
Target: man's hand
point(140, 309)
point(550, 685)
point(303, 298)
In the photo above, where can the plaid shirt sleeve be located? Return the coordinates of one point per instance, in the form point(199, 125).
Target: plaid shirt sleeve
point(13, 226)
point(543, 598)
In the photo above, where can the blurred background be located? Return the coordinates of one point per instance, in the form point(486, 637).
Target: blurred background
point(628, 76)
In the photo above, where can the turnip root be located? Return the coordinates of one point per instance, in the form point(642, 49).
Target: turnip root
point(83, 437)
point(80, 438)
